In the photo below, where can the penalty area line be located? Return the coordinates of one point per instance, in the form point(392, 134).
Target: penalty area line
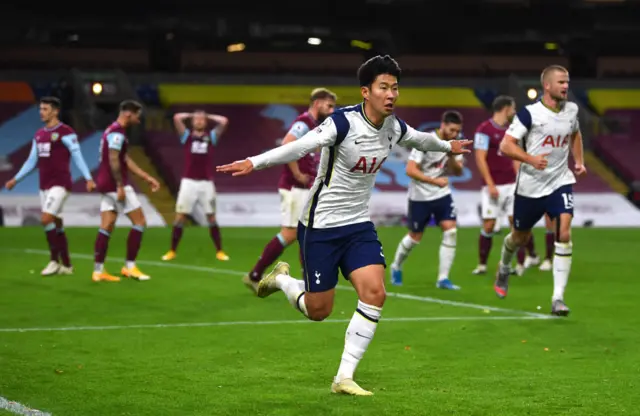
point(398, 295)
point(260, 323)
point(19, 408)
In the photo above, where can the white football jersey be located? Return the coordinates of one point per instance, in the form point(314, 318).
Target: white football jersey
point(433, 165)
point(541, 130)
point(353, 150)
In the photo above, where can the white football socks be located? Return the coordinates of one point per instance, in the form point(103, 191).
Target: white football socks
point(359, 334)
point(402, 252)
point(447, 253)
point(509, 248)
point(561, 269)
point(293, 290)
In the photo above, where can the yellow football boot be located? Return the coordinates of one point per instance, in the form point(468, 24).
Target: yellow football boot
point(169, 256)
point(348, 386)
point(134, 273)
point(103, 276)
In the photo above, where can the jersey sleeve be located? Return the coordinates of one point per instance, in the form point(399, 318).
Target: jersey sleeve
point(481, 141)
point(214, 137)
point(29, 164)
point(185, 136)
point(331, 132)
point(298, 129)
point(416, 156)
point(576, 126)
point(426, 142)
point(521, 125)
point(71, 142)
point(115, 141)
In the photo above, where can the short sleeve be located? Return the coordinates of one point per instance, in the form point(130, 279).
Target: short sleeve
point(416, 156)
point(520, 125)
point(115, 141)
point(481, 141)
point(298, 129)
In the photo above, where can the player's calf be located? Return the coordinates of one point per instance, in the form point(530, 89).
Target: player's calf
point(176, 236)
point(51, 233)
point(403, 250)
point(447, 255)
point(214, 232)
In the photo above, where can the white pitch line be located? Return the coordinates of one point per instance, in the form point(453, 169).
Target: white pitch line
point(20, 409)
point(259, 323)
point(406, 296)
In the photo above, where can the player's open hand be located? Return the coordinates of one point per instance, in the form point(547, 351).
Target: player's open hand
point(580, 170)
point(153, 183)
point(458, 146)
point(237, 168)
point(540, 162)
point(91, 185)
point(11, 183)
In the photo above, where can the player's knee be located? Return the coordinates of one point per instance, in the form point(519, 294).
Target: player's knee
point(287, 235)
point(211, 219)
point(179, 220)
point(318, 311)
point(488, 226)
point(449, 237)
point(374, 295)
point(520, 238)
point(47, 219)
point(415, 236)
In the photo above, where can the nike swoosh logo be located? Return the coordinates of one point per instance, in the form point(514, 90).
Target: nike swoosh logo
point(360, 335)
point(358, 142)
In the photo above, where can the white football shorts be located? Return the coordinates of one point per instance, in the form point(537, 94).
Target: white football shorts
point(292, 203)
point(194, 192)
point(110, 201)
point(502, 206)
point(52, 200)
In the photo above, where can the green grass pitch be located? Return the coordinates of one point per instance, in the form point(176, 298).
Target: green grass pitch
point(193, 341)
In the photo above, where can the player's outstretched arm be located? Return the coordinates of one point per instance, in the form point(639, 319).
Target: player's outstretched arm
point(426, 142)
point(322, 136)
point(136, 170)
point(27, 167)
point(71, 142)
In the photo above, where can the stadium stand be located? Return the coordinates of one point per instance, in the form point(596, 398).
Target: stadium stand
point(619, 146)
point(257, 124)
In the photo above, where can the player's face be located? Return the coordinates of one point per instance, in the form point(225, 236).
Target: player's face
point(325, 108)
point(47, 112)
point(199, 121)
point(450, 131)
point(558, 85)
point(134, 117)
point(382, 94)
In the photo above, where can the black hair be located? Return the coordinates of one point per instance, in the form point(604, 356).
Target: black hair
point(130, 105)
point(451, 116)
point(54, 102)
point(378, 65)
point(501, 102)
